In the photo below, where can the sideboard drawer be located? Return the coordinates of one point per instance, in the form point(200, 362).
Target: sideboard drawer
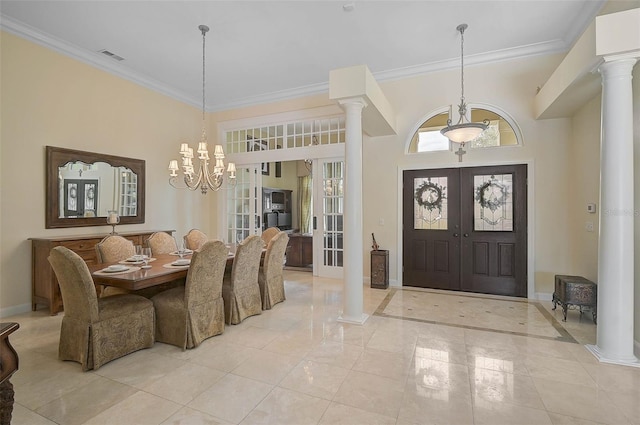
point(82, 245)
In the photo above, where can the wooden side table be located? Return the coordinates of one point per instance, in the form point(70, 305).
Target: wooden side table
point(8, 365)
point(380, 269)
point(575, 291)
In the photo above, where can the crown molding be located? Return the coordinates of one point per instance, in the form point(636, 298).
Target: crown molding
point(94, 59)
point(538, 49)
point(312, 89)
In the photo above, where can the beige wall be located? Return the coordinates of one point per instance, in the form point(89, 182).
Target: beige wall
point(510, 87)
point(50, 99)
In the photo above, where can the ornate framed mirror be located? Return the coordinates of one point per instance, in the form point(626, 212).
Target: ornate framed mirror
point(83, 187)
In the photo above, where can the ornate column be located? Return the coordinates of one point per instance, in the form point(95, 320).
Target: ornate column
point(616, 243)
point(352, 311)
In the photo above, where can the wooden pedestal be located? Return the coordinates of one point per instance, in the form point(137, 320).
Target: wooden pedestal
point(380, 269)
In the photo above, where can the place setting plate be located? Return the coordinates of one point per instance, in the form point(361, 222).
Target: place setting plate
point(117, 268)
point(185, 252)
point(135, 261)
point(181, 263)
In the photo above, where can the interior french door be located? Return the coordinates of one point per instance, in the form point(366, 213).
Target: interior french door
point(466, 229)
point(244, 204)
point(328, 205)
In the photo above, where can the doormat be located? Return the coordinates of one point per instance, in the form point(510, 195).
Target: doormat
point(471, 311)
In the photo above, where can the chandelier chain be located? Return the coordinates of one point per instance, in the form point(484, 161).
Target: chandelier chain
point(204, 32)
point(462, 28)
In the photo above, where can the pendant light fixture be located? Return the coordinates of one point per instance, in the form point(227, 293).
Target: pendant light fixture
point(204, 179)
point(464, 130)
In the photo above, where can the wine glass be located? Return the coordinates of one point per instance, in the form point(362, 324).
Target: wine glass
point(181, 251)
point(146, 257)
point(138, 252)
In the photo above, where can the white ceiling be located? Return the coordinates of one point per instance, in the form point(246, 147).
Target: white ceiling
point(259, 51)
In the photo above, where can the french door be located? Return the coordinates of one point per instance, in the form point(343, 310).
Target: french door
point(328, 205)
point(466, 229)
point(244, 205)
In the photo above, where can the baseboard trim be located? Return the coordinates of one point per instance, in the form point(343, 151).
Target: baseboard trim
point(14, 310)
point(544, 296)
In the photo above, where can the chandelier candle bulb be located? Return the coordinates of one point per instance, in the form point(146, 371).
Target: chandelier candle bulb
point(173, 167)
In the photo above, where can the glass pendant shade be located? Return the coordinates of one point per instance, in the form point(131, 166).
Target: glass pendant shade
point(462, 133)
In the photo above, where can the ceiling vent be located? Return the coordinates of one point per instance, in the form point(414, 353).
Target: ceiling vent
point(111, 55)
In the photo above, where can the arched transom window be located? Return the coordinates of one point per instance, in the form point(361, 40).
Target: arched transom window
point(502, 131)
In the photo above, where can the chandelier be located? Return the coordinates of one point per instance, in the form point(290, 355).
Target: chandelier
point(308, 162)
point(204, 179)
point(464, 130)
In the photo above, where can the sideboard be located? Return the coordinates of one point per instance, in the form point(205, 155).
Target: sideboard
point(44, 285)
point(299, 250)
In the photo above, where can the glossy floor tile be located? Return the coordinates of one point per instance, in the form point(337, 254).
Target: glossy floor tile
point(423, 357)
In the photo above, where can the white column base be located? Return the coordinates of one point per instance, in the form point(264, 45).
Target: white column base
point(631, 361)
point(353, 320)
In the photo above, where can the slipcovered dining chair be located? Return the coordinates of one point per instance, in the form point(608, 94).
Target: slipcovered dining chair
point(111, 249)
point(270, 276)
point(268, 234)
point(189, 314)
point(161, 243)
point(240, 290)
point(194, 239)
point(97, 330)
point(114, 248)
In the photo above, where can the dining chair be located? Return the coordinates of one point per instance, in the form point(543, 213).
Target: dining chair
point(240, 290)
point(96, 330)
point(189, 314)
point(268, 234)
point(270, 277)
point(194, 239)
point(162, 243)
point(111, 249)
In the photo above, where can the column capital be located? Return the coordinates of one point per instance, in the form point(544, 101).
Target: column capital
point(628, 56)
point(617, 66)
point(353, 101)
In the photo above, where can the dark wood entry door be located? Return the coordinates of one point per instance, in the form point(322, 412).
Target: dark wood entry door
point(466, 229)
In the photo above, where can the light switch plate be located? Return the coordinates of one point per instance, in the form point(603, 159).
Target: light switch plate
point(591, 208)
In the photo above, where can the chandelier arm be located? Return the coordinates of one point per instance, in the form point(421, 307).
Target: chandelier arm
point(214, 183)
point(173, 181)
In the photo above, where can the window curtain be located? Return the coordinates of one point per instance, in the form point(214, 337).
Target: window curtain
point(304, 203)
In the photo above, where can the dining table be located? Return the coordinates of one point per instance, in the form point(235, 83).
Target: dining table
point(136, 278)
point(161, 271)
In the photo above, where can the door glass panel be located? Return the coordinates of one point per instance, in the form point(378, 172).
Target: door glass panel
point(332, 182)
point(493, 202)
point(239, 206)
point(430, 203)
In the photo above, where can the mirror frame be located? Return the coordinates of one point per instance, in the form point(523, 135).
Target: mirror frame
point(58, 157)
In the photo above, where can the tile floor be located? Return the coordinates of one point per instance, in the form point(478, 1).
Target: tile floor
point(297, 365)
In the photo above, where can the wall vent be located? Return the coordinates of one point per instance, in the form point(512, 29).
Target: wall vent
point(111, 55)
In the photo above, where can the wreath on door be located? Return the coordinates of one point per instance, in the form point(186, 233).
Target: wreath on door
point(429, 195)
point(492, 194)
